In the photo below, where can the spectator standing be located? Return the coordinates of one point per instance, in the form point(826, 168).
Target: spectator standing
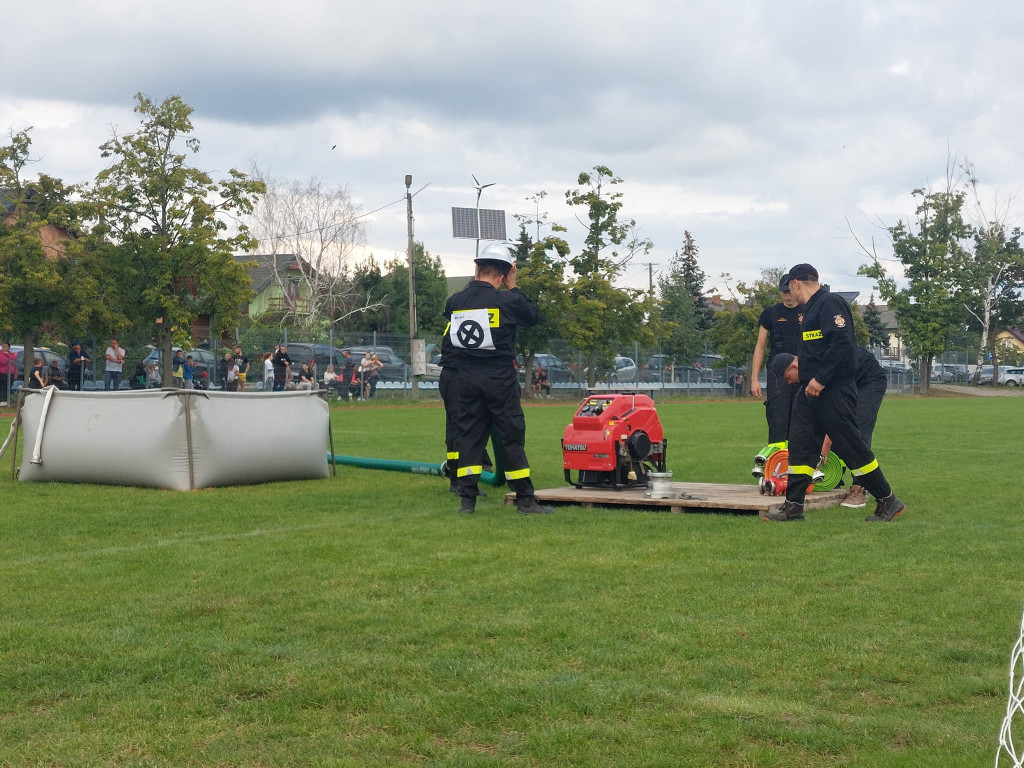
point(268, 372)
point(348, 368)
point(36, 378)
point(230, 373)
point(281, 365)
point(373, 377)
point(243, 368)
point(76, 367)
point(114, 367)
point(7, 359)
point(177, 372)
point(188, 373)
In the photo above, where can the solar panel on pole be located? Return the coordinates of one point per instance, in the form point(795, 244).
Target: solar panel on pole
point(491, 224)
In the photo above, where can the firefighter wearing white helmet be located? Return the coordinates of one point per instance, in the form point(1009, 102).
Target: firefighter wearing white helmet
point(482, 322)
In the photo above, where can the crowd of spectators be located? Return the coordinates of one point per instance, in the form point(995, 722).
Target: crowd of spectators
point(273, 371)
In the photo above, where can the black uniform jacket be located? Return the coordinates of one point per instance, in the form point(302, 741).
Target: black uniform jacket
point(482, 324)
point(868, 369)
point(783, 325)
point(827, 345)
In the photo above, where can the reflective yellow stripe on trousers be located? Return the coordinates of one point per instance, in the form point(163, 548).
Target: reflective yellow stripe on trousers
point(466, 471)
point(800, 469)
point(866, 468)
point(517, 474)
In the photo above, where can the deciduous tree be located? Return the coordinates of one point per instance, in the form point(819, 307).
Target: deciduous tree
point(599, 312)
point(932, 251)
point(172, 225)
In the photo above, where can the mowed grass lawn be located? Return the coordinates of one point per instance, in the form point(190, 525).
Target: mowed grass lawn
point(360, 621)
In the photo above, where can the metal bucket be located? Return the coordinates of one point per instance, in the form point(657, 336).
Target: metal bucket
point(659, 485)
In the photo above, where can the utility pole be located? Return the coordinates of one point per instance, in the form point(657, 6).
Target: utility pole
point(650, 274)
point(414, 391)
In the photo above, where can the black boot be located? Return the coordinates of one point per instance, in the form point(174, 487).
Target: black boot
point(886, 510)
point(468, 506)
point(529, 505)
point(789, 512)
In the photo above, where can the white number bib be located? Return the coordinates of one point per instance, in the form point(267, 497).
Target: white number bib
point(471, 329)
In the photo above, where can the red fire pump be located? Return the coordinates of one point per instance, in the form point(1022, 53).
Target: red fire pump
point(612, 442)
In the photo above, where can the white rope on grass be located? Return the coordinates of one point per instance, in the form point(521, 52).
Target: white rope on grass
point(1014, 720)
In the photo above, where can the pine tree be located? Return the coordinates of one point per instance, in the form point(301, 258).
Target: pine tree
point(878, 334)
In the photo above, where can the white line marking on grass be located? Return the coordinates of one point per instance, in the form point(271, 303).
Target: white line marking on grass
point(213, 538)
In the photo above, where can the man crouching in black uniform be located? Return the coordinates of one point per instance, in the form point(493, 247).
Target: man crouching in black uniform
point(482, 325)
point(827, 402)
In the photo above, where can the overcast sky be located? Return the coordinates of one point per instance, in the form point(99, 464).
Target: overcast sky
point(758, 126)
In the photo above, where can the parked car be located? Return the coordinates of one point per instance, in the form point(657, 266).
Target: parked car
point(661, 368)
point(947, 373)
point(622, 371)
point(434, 366)
point(47, 355)
point(1012, 377)
point(204, 360)
point(558, 371)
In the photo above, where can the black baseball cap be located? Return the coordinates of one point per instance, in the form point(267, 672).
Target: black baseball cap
point(779, 363)
point(784, 283)
point(803, 272)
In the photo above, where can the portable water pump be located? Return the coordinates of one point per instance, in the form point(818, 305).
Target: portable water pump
point(613, 441)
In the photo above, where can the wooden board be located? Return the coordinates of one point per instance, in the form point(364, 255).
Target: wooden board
point(686, 497)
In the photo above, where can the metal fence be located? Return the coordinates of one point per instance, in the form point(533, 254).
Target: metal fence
point(635, 367)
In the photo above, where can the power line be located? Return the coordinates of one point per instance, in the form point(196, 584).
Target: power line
point(360, 216)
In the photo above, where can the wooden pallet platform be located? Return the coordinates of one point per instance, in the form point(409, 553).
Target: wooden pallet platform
point(688, 497)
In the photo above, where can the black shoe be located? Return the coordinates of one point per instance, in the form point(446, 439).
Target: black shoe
point(468, 506)
point(530, 506)
point(886, 510)
point(456, 490)
point(789, 512)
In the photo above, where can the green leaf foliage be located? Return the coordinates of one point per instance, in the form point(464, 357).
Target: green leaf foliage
point(171, 226)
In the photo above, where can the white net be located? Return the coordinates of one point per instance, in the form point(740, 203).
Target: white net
point(1011, 735)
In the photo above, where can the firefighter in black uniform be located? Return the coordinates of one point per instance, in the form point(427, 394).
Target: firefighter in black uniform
point(446, 385)
point(482, 325)
point(827, 402)
point(871, 383)
point(782, 322)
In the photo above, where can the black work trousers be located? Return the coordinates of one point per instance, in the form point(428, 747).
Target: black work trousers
point(778, 404)
point(447, 385)
point(869, 400)
point(487, 397)
point(833, 412)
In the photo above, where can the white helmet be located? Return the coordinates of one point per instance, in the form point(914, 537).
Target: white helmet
point(495, 252)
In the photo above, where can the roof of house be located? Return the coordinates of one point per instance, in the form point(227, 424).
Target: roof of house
point(1018, 335)
point(7, 197)
point(269, 265)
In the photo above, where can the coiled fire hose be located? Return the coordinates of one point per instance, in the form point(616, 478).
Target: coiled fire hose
point(771, 467)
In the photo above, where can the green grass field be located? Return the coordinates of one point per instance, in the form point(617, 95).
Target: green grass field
point(361, 622)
